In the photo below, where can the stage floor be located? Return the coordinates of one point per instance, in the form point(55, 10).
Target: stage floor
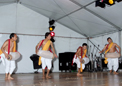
point(64, 79)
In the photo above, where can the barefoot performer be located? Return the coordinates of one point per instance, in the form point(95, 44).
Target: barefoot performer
point(45, 44)
point(78, 58)
point(111, 55)
point(7, 48)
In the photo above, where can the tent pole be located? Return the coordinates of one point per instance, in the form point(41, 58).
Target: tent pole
point(44, 35)
point(93, 44)
point(75, 10)
point(89, 46)
point(119, 33)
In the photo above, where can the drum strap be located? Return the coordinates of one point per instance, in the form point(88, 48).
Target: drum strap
point(76, 52)
point(81, 52)
point(107, 48)
point(41, 45)
point(82, 55)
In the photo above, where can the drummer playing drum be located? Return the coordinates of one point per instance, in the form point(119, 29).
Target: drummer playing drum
point(111, 55)
point(78, 58)
point(45, 44)
point(8, 46)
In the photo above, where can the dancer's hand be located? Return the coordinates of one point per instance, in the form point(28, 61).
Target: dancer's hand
point(6, 55)
point(37, 51)
point(55, 55)
point(100, 52)
point(81, 60)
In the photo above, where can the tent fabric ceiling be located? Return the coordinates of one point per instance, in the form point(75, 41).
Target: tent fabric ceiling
point(7, 1)
point(79, 15)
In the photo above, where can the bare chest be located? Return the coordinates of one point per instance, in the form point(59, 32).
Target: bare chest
point(43, 44)
point(113, 48)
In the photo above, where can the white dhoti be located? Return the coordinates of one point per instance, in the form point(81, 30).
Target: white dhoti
point(77, 61)
point(46, 62)
point(9, 65)
point(113, 62)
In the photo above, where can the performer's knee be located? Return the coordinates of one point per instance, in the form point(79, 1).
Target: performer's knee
point(13, 67)
point(7, 65)
point(83, 66)
point(43, 65)
point(49, 66)
point(78, 66)
point(49, 63)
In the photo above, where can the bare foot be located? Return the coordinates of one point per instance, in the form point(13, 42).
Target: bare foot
point(110, 71)
point(78, 74)
point(10, 78)
point(43, 77)
point(115, 73)
point(6, 78)
point(48, 77)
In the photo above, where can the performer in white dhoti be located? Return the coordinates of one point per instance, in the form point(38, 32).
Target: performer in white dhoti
point(80, 57)
point(8, 47)
point(111, 55)
point(43, 59)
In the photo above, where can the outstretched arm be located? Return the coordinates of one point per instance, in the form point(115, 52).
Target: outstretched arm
point(37, 47)
point(3, 48)
point(53, 50)
point(103, 49)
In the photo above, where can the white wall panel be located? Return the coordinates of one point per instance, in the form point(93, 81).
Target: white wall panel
point(30, 22)
point(8, 18)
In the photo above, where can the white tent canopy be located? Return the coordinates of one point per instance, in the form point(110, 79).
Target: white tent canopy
point(79, 15)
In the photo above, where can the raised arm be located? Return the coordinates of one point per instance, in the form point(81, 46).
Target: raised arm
point(53, 50)
point(37, 47)
point(3, 48)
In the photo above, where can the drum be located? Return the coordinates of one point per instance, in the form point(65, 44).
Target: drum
point(14, 56)
point(112, 55)
point(85, 60)
point(45, 54)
